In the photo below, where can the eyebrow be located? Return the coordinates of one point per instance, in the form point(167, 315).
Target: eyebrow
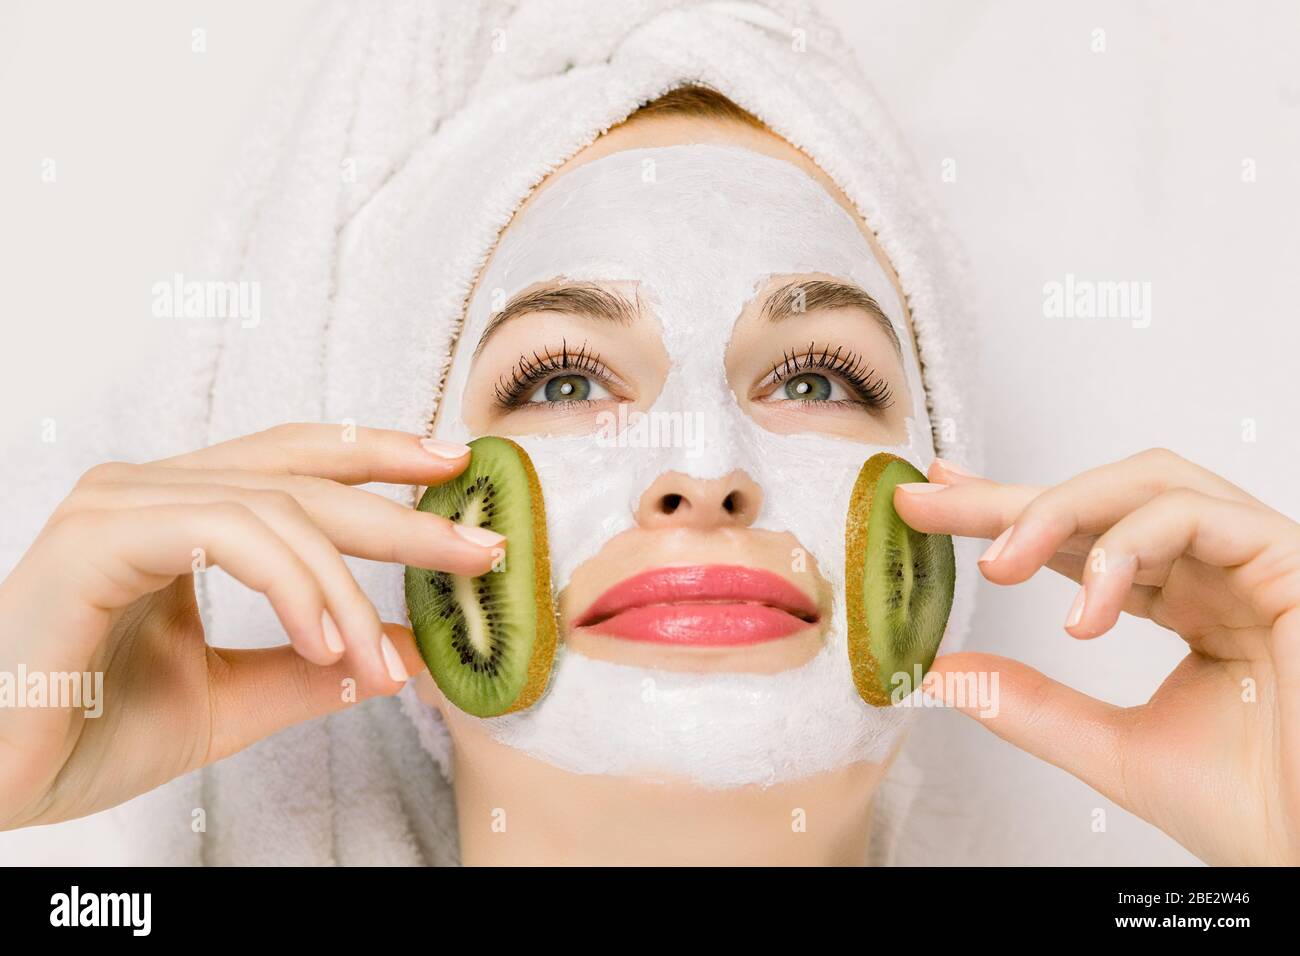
point(594, 301)
point(572, 298)
point(796, 298)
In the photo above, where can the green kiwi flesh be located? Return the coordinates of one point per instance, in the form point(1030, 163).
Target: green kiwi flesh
point(489, 641)
point(899, 586)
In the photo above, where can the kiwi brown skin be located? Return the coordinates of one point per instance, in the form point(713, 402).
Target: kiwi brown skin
point(862, 662)
point(542, 662)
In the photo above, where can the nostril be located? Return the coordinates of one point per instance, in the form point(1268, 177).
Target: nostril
point(675, 500)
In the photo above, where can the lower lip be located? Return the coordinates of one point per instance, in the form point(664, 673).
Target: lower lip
point(702, 625)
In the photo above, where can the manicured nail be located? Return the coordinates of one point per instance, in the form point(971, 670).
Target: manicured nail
point(921, 487)
point(443, 449)
point(955, 469)
point(1076, 609)
point(479, 536)
point(996, 547)
point(333, 640)
point(393, 661)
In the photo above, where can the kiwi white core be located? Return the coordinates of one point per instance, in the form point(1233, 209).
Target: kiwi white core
point(700, 228)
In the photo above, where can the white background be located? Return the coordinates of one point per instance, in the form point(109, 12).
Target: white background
point(1120, 165)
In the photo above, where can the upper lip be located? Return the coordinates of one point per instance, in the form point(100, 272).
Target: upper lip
point(701, 584)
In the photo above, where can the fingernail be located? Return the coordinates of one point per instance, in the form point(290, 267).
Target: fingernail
point(393, 661)
point(479, 536)
point(996, 547)
point(955, 469)
point(921, 487)
point(330, 630)
point(443, 449)
point(1076, 609)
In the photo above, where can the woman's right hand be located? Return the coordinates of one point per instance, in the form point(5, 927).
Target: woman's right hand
point(107, 588)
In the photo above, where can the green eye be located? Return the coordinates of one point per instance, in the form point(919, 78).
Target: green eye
point(568, 388)
point(808, 387)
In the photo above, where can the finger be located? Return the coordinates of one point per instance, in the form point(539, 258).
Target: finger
point(946, 472)
point(106, 560)
point(1193, 603)
point(1089, 504)
point(984, 508)
point(358, 522)
point(1080, 734)
point(1141, 595)
point(1286, 657)
point(1179, 522)
point(1072, 566)
point(971, 507)
point(353, 624)
point(346, 454)
point(256, 693)
point(974, 508)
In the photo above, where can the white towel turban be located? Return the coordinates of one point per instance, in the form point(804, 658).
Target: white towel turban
point(365, 207)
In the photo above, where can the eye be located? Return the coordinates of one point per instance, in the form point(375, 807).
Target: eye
point(558, 377)
point(811, 387)
point(818, 375)
point(568, 388)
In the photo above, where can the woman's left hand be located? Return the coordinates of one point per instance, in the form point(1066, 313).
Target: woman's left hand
point(1213, 758)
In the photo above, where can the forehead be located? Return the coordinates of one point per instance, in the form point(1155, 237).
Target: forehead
point(641, 133)
point(682, 130)
point(708, 215)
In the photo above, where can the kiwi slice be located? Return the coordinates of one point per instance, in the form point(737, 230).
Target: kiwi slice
point(899, 584)
point(489, 641)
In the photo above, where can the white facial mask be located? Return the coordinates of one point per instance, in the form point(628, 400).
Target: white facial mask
point(700, 228)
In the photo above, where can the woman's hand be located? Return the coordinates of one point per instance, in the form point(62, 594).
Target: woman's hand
point(1213, 759)
point(108, 587)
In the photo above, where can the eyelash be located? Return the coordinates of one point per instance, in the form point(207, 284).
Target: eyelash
point(872, 390)
point(531, 370)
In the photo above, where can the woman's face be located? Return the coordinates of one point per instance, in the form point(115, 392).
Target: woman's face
point(832, 369)
point(699, 344)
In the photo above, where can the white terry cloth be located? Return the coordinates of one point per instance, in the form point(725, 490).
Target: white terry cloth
point(407, 137)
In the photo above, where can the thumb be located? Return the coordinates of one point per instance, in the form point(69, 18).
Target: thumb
point(255, 693)
point(1080, 734)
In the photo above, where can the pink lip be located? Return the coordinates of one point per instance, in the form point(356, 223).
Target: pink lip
point(708, 606)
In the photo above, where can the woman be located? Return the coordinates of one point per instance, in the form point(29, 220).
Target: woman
point(661, 222)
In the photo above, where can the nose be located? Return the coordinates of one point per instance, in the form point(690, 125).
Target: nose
point(678, 501)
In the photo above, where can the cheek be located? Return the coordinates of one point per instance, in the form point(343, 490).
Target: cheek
point(888, 427)
point(448, 421)
point(476, 416)
point(807, 480)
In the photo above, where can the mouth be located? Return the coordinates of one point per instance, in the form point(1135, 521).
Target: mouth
point(701, 606)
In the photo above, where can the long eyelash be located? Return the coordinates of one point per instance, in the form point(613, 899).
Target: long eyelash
point(530, 370)
point(870, 388)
